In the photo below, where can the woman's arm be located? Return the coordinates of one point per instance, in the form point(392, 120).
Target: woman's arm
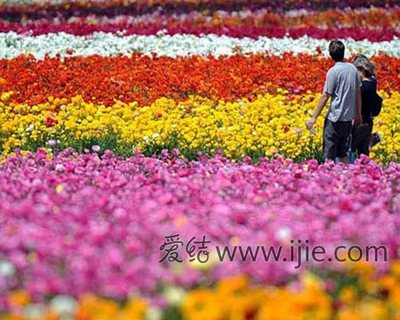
point(358, 118)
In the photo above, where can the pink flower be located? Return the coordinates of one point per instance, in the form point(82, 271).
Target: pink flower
point(103, 232)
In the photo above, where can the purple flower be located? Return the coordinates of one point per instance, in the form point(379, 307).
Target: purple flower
point(83, 223)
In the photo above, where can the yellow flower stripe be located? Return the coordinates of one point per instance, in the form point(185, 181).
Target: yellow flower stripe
point(270, 124)
point(235, 298)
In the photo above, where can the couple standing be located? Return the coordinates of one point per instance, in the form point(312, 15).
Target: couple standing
point(352, 89)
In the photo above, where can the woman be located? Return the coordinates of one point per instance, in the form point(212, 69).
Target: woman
point(361, 135)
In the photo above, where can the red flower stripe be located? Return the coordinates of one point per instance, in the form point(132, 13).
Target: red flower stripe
point(144, 79)
point(79, 28)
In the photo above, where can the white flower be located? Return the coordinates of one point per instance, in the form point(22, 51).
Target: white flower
point(51, 143)
point(34, 311)
point(96, 148)
point(59, 167)
point(283, 233)
point(108, 44)
point(7, 269)
point(30, 127)
point(174, 295)
point(153, 314)
point(63, 305)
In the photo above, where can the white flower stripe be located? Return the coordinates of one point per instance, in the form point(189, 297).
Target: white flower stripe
point(107, 44)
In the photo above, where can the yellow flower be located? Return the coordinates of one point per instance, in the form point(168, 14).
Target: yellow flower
point(135, 310)
point(6, 96)
point(20, 298)
point(348, 295)
point(202, 304)
point(59, 188)
point(395, 269)
point(95, 308)
point(265, 126)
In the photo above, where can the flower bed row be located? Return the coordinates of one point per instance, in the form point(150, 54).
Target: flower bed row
point(144, 79)
point(234, 297)
point(61, 217)
point(268, 125)
point(107, 44)
point(371, 24)
point(231, 31)
point(48, 9)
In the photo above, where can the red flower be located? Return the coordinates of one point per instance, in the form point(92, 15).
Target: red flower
point(50, 122)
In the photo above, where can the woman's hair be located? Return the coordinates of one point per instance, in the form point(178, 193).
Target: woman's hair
point(363, 63)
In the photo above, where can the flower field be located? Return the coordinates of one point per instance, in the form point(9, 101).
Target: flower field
point(141, 140)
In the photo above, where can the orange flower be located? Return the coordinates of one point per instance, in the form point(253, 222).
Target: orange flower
point(145, 79)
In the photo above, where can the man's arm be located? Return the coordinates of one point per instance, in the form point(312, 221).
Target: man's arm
point(321, 104)
point(329, 88)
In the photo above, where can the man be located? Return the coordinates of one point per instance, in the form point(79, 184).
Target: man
point(343, 87)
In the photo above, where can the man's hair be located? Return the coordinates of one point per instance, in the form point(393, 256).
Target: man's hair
point(336, 50)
